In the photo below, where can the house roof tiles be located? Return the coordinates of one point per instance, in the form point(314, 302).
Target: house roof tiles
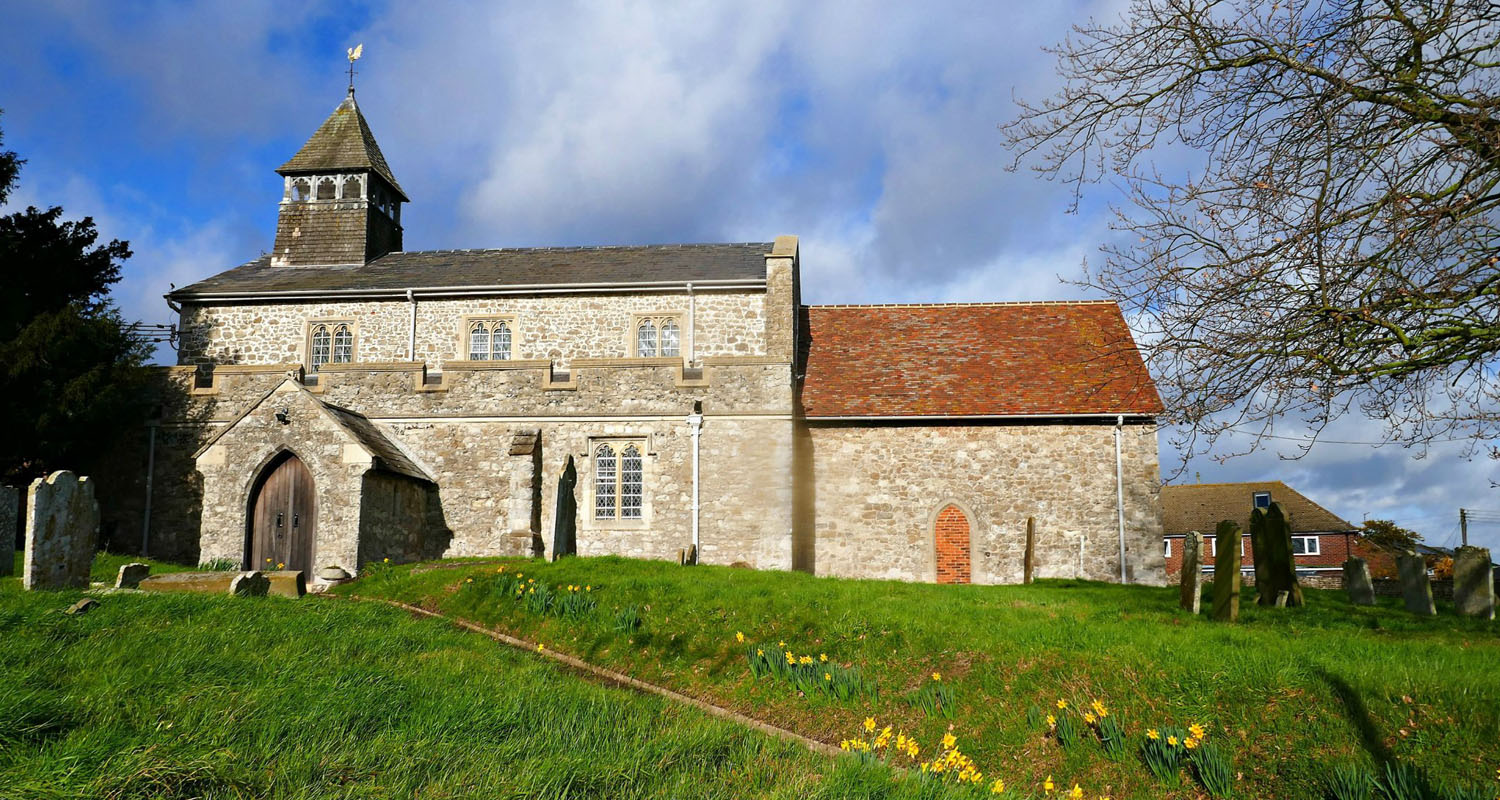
point(1202, 506)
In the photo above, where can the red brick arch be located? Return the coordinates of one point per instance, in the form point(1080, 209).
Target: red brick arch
point(951, 532)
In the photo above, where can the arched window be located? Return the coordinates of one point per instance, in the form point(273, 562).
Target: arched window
point(670, 339)
point(645, 339)
point(343, 344)
point(301, 189)
point(631, 483)
point(326, 188)
point(479, 342)
point(318, 353)
point(501, 342)
point(353, 188)
point(606, 478)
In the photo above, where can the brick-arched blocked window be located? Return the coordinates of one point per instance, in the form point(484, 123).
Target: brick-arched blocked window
point(951, 545)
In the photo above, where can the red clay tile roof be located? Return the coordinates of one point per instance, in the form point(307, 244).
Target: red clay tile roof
point(973, 360)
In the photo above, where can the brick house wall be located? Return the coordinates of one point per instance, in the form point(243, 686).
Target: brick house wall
point(1334, 548)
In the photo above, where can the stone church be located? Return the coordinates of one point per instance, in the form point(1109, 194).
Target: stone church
point(341, 400)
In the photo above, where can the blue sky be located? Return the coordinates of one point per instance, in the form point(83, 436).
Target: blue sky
point(870, 132)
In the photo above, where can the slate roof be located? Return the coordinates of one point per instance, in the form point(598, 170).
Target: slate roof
point(990, 359)
point(387, 455)
point(1202, 506)
point(342, 142)
point(547, 266)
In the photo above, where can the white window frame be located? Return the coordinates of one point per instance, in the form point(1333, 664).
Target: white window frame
point(618, 512)
point(658, 323)
point(1213, 547)
point(333, 354)
point(491, 324)
point(1316, 550)
point(1255, 500)
point(1167, 550)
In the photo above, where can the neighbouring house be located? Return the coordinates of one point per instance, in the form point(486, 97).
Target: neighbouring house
point(340, 400)
point(1321, 540)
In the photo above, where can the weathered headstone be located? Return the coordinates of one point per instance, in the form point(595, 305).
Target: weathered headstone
point(62, 524)
point(1227, 573)
point(1271, 538)
point(1357, 582)
point(250, 584)
point(1474, 582)
point(565, 520)
point(1260, 553)
point(1415, 588)
point(10, 512)
point(1192, 571)
point(287, 583)
point(83, 606)
point(1028, 566)
point(131, 575)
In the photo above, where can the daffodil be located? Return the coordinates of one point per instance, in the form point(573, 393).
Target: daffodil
point(468, 580)
point(738, 636)
point(1061, 704)
point(827, 676)
point(1051, 720)
point(1172, 740)
point(823, 657)
point(281, 566)
point(937, 676)
point(1197, 731)
point(385, 560)
point(1047, 785)
point(1152, 734)
point(790, 659)
point(1077, 793)
point(540, 647)
point(1088, 717)
point(1190, 743)
point(869, 723)
point(806, 659)
point(948, 741)
point(781, 644)
point(911, 748)
point(998, 787)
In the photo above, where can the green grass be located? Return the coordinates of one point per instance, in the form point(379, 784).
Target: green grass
point(1286, 693)
point(191, 696)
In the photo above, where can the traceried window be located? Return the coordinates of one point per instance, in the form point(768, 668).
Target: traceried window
point(658, 336)
point(352, 188)
point(301, 189)
point(327, 188)
point(489, 340)
point(619, 481)
point(330, 343)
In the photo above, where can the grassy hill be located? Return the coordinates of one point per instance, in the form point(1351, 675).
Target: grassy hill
point(1288, 693)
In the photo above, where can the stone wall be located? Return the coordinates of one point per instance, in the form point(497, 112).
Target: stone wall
point(394, 521)
point(560, 328)
point(877, 489)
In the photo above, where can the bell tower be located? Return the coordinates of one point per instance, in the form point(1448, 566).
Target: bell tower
point(340, 204)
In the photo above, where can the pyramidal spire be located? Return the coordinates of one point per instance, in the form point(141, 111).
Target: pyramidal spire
point(343, 142)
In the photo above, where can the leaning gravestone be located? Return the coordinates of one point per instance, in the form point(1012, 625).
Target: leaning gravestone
point(1192, 571)
point(1415, 589)
point(1275, 565)
point(1474, 582)
point(10, 511)
point(62, 523)
point(131, 575)
point(1227, 574)
point(1357, 582)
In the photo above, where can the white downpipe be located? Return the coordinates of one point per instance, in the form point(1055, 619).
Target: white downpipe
point(695, 427)
point(692, 327)
point(411, 337)
point(1120, 491)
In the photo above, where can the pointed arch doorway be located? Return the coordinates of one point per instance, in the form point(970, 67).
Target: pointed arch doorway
point(950, 531)
point(282, 516)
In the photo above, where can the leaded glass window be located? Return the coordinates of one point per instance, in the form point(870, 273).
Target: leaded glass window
point(501, 342)
point(631, 483)
point(670, 338)
point(318, 353)
point(645, 339)
point(479, 342)
point(343, 345)
point(605, 479)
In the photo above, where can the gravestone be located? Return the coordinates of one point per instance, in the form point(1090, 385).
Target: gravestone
point(10, 512)
point(62, 524)
point(1474, 582)
point(83, 606)
point(1275, 565)
point(1415, 589)
point(1357, 582)
point(1227, 574)
point(131, 575)
point(286, 583)
point(565, 520)
point(1029, 564)
point(1192, 572)
point(249, 584)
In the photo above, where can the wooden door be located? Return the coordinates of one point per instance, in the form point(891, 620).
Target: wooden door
point(283, 518)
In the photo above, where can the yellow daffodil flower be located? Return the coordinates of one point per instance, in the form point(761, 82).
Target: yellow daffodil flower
point(1077, 793)
point(540, 648)
point(739, 637)
point(911, 748)
point(781, 644)
point(806, 659)
point(998, 787)
point(1152, 734)
point(1197, 731)
point(1172, 740)
point(948, 741)
point(790, 659)
point(937, 676)
point(827, 676)
point(1190, 743)
point(1061, 704)
point(760, 653)
point(1051, 720)
point(1088, 717)
point(869, 723)
point(844, 745)
point(1047, 785)
point(823, 657)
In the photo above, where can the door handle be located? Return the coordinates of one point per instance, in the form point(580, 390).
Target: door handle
point(294, 520)
point(279, 516)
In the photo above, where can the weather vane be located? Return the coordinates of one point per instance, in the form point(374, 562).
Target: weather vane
point(354, 53)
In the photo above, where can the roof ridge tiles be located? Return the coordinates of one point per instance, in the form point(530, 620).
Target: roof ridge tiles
point(979, 304)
